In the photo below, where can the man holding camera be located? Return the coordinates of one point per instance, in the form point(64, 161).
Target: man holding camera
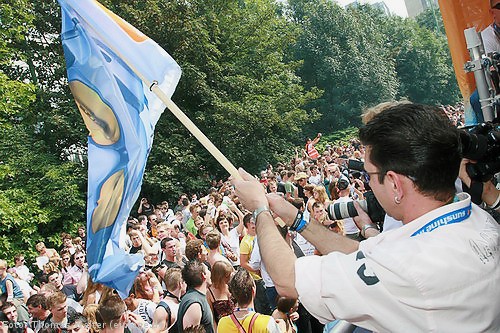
point(438, 272)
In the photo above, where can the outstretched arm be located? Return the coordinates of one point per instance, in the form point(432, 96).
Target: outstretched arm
point(323, 239)
point(277, 255)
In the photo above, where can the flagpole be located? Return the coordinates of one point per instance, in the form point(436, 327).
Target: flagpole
point(192, 128)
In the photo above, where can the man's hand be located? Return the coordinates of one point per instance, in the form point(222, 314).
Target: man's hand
point(362, 219)
point(282, 208)
point(249, 191)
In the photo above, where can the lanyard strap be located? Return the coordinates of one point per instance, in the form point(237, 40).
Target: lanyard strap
point(455, 216)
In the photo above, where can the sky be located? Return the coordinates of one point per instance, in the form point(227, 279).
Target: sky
point(397, 7)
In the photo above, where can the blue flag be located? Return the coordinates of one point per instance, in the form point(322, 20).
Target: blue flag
point(105, 58)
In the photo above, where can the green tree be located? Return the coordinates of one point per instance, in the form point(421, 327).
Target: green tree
point(344, 54)
point(41, 192)
point(423, 62)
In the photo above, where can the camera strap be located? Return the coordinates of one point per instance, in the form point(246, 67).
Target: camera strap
point(475, 190)
point(449, 218)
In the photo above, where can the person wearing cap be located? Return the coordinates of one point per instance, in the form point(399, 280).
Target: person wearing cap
point(301, 181)
point(439, 272)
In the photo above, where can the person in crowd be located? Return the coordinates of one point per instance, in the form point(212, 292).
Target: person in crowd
point(415, 185)
point(49, 289)
point(141, 307)
point(218, 296)
point(14, 324)
point(21, 269)
point(78, 265)
point(165, 314)
point(9, 286)
point(213, 240)
point(67, 241)
point(231, 237)
point(242, 288)
point(38, 310)
point(195, 250)
point(145, 207)
point(45, 255)
point(286, 310)
point(59, 312)
point(316, 177)
point(112, 315)
point(311, 151)
point(140, 241)
point(350, 228)
point(300, 182)
point(147, 286)
point(82, 233)
point(78, 323)
point(246, 247)
point(169, 249)
point(90, 313)
point(65, 267)
point(194, 308)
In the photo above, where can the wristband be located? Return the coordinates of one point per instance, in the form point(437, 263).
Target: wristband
point(297, 221)
point(496, 204)
point(366, 227)
point(302, 225)
point(259, 210)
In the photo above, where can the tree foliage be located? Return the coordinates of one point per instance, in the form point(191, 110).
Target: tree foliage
point(256, 76)
point(344, 54)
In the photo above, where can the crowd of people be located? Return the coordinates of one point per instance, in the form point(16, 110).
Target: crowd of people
point(203, 269)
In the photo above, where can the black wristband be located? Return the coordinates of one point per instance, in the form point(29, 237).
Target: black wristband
point(297, 220)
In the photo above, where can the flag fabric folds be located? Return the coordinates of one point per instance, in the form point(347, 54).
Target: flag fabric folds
point(106, 58)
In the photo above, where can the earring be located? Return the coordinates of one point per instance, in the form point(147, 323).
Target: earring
point(397, 200)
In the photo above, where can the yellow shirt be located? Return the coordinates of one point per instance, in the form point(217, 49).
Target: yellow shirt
point(246, 247)
point(263, 324)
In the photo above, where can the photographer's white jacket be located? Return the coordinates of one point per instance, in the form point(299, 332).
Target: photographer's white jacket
point(445, 279)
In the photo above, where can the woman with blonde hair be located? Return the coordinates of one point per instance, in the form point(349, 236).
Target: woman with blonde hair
point(89, 313)
point(320, 195)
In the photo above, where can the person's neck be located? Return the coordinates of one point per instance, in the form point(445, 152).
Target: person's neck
point(58, 320)
point(419, 206)
point(202, 289)
point(244, 309)
point(114, 329)
point(177, 293)
point(44, 315)
point(171, 259)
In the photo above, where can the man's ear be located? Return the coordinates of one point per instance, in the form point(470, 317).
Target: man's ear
point(395, 182)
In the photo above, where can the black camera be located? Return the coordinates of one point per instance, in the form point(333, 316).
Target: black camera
point(370, 205)
point(481, 143)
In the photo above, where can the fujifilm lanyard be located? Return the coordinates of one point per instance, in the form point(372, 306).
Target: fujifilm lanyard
point(452, 217)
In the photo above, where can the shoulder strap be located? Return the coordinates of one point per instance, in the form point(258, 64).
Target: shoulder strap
point(164, 305)
point(237, 323)
point(252, 321)
point(212, 293)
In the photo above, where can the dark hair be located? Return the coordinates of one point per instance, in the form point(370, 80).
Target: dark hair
point(37, 300)
point(192, 273)
point(416, 141)
point(247, 219)
point(241, 287)
point(284, 304)
point(164, 241)
point(73, 318)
